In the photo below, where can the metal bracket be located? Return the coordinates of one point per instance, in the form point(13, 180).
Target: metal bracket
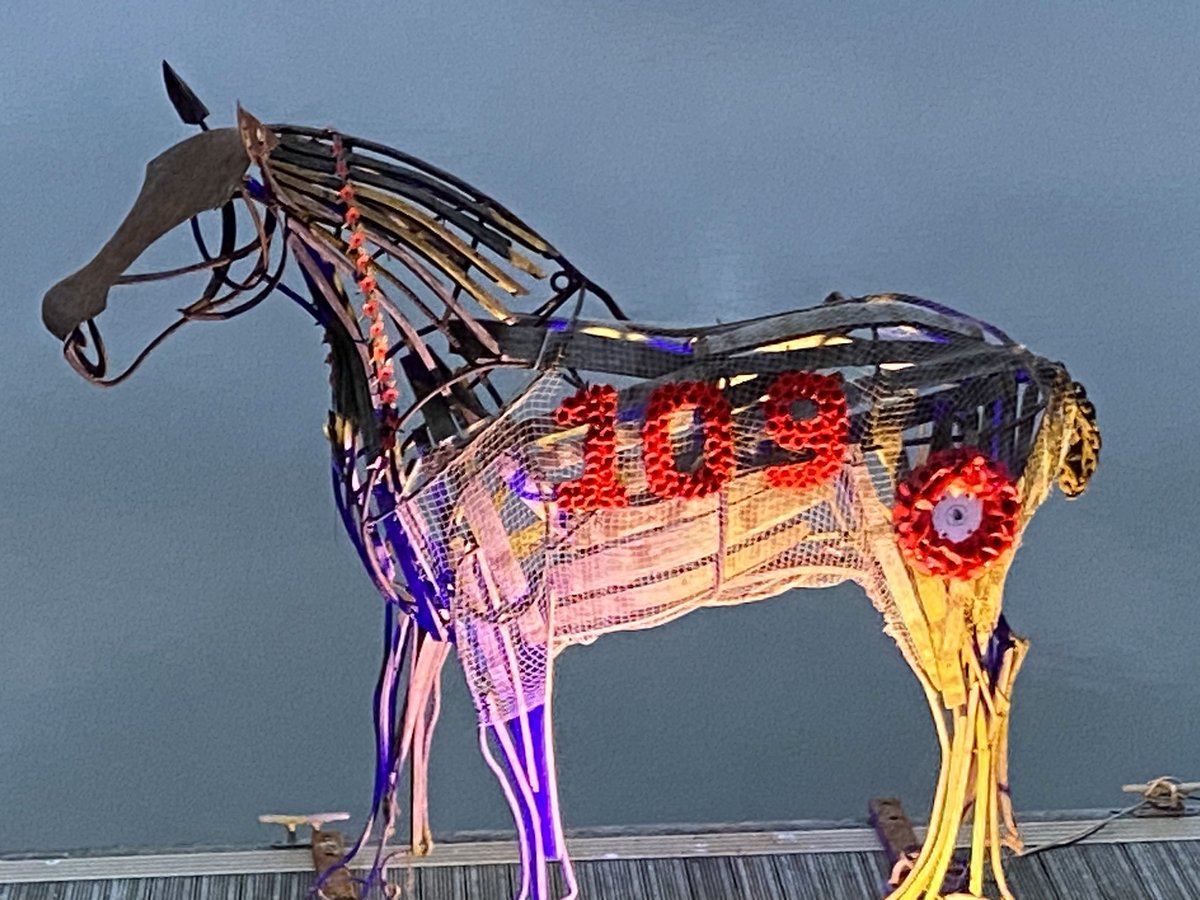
point(899, 841)
point(315, 821)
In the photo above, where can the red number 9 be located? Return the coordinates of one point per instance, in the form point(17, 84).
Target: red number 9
point(824, 434)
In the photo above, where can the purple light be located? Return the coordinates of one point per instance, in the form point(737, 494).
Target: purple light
point(518, 483)
point(673, 346)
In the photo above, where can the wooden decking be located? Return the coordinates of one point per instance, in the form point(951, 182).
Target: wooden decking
point(1149, 859)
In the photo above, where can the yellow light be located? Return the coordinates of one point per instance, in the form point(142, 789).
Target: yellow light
point(555, 437)
point(612, 333)
point(805, 343)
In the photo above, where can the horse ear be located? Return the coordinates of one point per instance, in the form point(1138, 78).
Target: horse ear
point(190, 108)
point(257, 138)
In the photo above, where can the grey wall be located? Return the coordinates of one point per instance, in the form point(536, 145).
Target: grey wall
point(186, 639)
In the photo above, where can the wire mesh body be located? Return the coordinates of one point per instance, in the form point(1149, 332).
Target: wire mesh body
point(526, 577)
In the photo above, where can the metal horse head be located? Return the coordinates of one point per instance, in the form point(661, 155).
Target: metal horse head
point(522, 469)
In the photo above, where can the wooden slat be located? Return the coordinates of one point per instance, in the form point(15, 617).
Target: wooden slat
point(818, 878)
point(1102, 873)
point(617, 879)
point(476, 881)
point(783, 838)
point(833, 317)
point(1028, 878)
point(713, 878)
point(631, 356)
point(1177, 865)
point(1131, 858)
point(666, 879)
point(756, 876)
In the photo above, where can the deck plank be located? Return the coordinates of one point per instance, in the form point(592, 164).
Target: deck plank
point(695, 867)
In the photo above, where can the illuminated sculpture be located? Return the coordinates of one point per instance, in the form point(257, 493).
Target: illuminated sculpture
point(522, 476)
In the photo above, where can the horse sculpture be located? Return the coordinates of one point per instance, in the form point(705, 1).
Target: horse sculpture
point(522, 469)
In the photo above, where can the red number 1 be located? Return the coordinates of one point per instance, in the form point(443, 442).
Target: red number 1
point(598, 487)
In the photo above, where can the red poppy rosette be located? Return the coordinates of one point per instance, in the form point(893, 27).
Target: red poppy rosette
point(957, 514)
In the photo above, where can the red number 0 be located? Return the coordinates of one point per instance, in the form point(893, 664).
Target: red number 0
point(716, 467)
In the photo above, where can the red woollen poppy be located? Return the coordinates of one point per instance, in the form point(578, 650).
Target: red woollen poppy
point(957, 514)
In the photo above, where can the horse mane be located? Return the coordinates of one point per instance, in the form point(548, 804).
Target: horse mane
point(444, 258)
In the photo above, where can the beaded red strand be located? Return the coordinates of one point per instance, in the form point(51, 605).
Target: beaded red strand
point(364, 265)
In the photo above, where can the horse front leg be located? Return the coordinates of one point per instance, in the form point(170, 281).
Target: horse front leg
point(526, 772)
point(507, 651)
point(971, 719)
point(425, 699)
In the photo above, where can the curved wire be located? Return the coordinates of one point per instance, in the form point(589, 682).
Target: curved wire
point(73, 351)
point(222, 260)
point(203, 309)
